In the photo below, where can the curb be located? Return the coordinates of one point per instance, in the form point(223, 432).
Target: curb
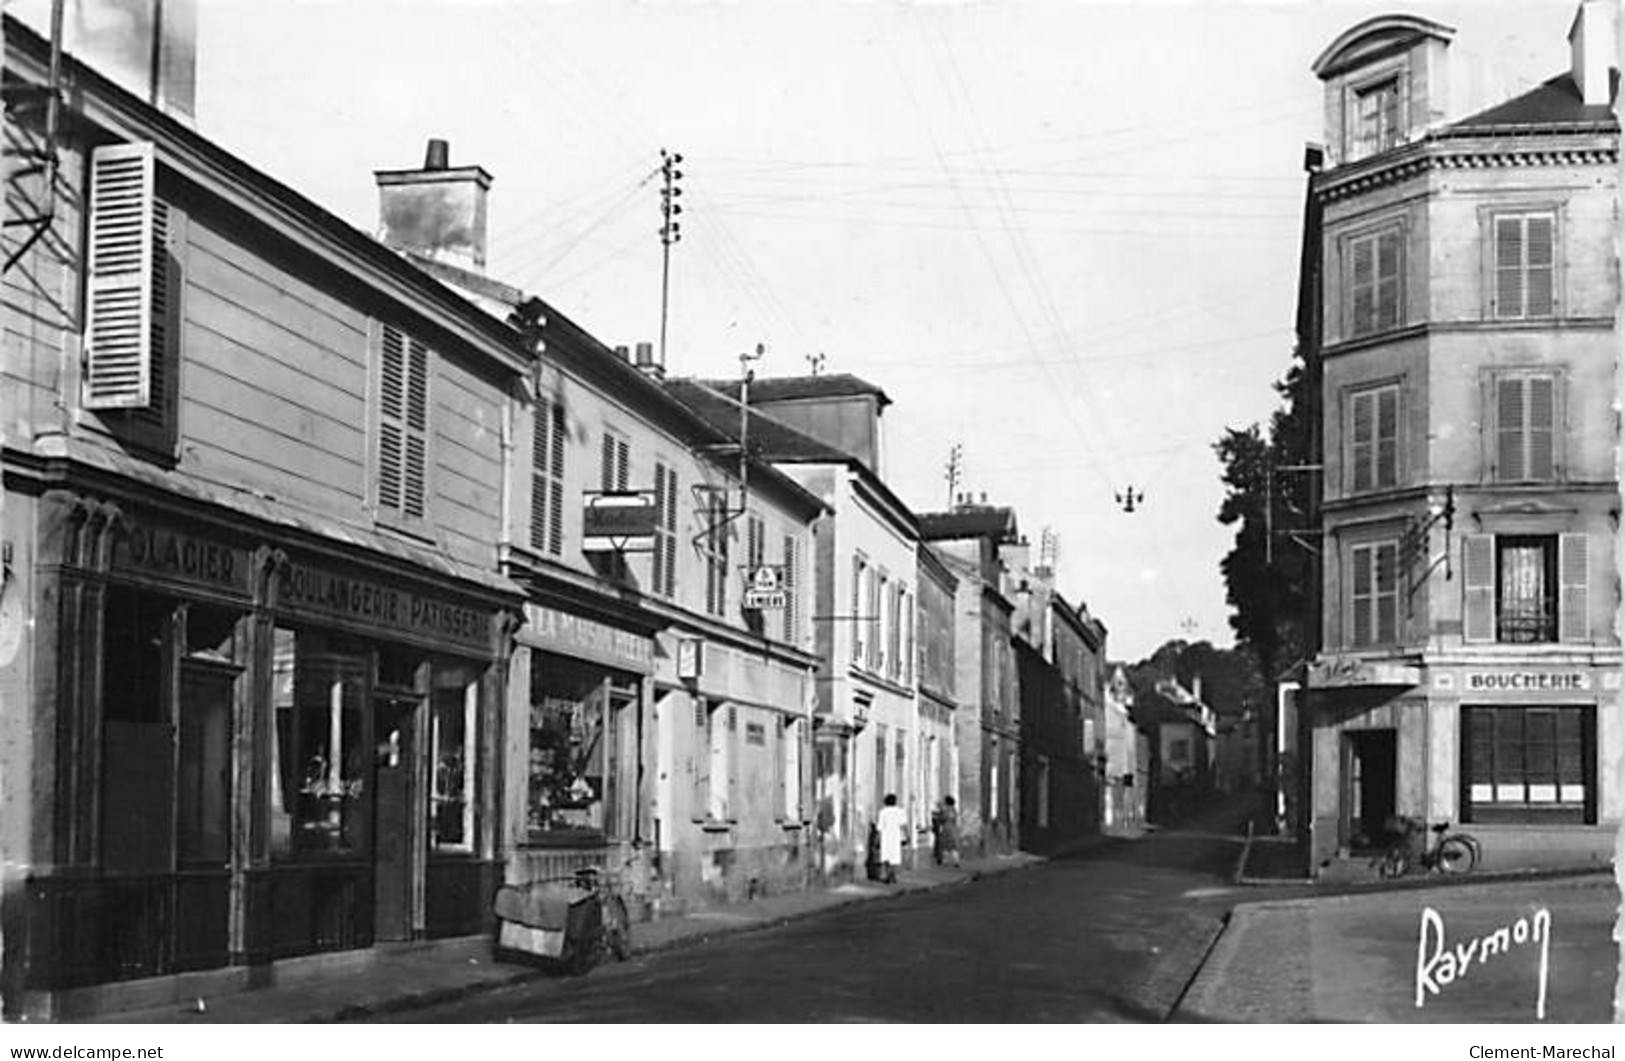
point(353, 1011)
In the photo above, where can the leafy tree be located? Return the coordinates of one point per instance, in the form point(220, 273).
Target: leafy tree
point(1267, 572)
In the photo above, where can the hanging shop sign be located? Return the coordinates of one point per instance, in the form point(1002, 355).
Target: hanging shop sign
point(574, 635)
point(619, 523)
point(764, 588)
point(147, 548)
point(1341, 672)
point(315, 592)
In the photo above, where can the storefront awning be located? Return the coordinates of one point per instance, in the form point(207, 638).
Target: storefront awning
point(1346, 672)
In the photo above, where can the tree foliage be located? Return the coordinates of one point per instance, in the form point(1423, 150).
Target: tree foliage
point(1268, 489)
point(1230, 678)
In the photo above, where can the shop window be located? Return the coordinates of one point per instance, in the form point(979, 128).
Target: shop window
point(453, 755)
point(137, 733)
point(319, 750)
point(568, 759)
point(1528, 764)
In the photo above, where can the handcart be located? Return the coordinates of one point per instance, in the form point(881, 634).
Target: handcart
point(570, 922)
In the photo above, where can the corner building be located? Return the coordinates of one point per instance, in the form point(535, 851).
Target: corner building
point(1469, 288)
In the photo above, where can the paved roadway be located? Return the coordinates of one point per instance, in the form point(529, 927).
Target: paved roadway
point(1112, 935)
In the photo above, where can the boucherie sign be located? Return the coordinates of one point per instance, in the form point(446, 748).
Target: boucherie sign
point(1527, 681)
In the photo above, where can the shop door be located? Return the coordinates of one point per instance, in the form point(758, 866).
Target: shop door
point(1369, 774)
point(394, 725)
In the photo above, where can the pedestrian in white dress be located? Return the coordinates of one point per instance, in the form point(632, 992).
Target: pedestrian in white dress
point(892, 824)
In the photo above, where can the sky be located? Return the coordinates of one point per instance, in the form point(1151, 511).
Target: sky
point(1062, 236)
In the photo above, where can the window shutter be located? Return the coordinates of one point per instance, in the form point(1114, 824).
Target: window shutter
point(1509, 267)
point(1478, 587)
point(1573, 565)
point(1388, 280)
point(1364, 286)
point(606, 464)
point(124, 249)
point(1539, 416)
point(732, 759)
point(1509, 429)
point(1386, 562)
point(1387, 446)
point(391, 409)
point(1361, 595)
point(555, 467)
point(1363, 431)
point(623, 463)
point(657, 561)
point(415, 481)
point(540, 481)
point(1538, 294)
point(790, 602)
point(779, 769)
point(701, 802)
point(671, 538)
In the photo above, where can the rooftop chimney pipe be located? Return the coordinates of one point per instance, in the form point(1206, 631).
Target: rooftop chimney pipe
point(437, 156)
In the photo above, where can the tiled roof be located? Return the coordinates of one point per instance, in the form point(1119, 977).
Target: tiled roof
point(769, 438)
point(787, 388)
point(1555, 104)
point(976, 522)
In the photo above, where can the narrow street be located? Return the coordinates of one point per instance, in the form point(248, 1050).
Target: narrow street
point(1111, 935)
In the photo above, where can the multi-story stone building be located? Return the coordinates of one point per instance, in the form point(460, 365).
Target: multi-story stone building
point(939, 704)
point(1469, 293)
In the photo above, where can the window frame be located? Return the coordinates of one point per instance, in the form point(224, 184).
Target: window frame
point(1490, 219)
point(468, 795)
point(1493, 380)
point(1374, 597)
point(1357, 145)
point(1372, 463)
point(1481, 800)
point(1355, 326)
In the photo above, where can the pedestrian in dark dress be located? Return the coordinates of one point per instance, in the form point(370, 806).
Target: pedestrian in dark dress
point(945, 832)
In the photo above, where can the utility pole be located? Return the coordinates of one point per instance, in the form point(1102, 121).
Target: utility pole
point(956, 458)
point(816, 362)
point(670, 232)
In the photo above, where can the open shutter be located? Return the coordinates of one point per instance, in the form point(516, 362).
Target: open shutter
point(790, 603)
point(657, 561)
point(1573, 563)
point(732, 760)
point(540, 480)
point(555, 469)
point(415, 480)
point(670, 518)
point(700, 803)
point(1478, 587)
point(1361, 586)
point(124, 250)
point(391, 414)
point(779, 766)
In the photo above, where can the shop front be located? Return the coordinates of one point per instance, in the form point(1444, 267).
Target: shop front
point(257, 749)
point(1520, 753)
point(578, 740)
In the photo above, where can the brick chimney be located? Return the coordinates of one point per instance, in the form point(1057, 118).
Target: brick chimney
point(1591, 51)
point(437, 211)
point(646, 362)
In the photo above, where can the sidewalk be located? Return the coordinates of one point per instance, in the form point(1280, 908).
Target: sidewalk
point(1361, 957)
point(392, 978)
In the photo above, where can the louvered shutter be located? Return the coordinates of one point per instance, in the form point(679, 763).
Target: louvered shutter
point(1478, 588)
point(415, 482)
point(732, 761)
point(1364, 286)
point(124, 250)
point(555, 467)
point(1364, 439)
point(1509, 429)
point(1387, 441)
point(623, 464)
point(657, 561)
point(606, 463)
point(1509, 264)
point(1540, 414)
point(1573, 565)
point(1361, 595)
point(1538, 290)
point(671, 537)
point(1387, 298)
point(391, 414)
point(540, 476)
point(790, 602)
point(701, 808)
point(779, 767)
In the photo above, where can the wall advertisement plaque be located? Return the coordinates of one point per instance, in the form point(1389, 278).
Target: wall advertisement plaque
point(574, 635)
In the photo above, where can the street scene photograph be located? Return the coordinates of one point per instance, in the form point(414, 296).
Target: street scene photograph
point(840, 513)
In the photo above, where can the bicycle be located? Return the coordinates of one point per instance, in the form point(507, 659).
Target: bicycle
point(1451, 852)
point(573, 921)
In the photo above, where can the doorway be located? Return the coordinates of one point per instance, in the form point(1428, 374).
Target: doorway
point(394, 727)
point(1370, 760)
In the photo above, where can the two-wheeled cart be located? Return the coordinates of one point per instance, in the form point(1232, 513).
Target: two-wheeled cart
point(572, 922)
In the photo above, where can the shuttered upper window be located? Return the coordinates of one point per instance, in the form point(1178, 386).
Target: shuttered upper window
point(791, 627)
point(1375, 265)
point(1524, 266)
point(1524, 427)
point(1374, 438)
point(132, 292)
point(1376, 119)
point(1519, 589)
point(403, 425)
point(664, 573)
point(1374, 585)
point(614, 463)
point(547, 479)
